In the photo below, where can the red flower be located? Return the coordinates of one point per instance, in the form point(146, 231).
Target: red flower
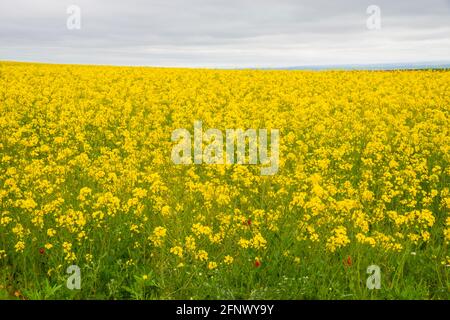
point(249, 222)
point(41, 250)
point(348, 262)
point(257, 263)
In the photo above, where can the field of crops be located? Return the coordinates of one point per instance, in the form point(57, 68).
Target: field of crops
point(87, 179)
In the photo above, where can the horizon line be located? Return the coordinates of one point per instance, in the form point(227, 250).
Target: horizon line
point(418, 65)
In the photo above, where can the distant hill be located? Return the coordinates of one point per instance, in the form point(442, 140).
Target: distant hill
point(382, 66)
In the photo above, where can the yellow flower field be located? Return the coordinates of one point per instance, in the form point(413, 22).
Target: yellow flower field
point(87, 179)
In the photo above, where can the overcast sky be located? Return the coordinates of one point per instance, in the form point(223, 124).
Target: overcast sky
point(225, 33)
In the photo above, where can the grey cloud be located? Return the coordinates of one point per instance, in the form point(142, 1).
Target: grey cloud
point(224, 32)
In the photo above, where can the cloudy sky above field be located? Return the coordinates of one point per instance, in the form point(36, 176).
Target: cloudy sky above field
point(225, 33)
